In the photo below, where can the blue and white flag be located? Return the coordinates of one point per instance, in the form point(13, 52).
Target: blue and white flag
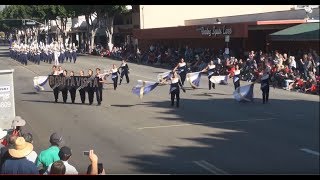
point(244, 93)
point(219, 79)
point(144, 87)
point(105, 76)
point(40, 83)
point(194, 79)
point(164, 76)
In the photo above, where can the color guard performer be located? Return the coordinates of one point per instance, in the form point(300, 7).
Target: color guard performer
point(175, 85)
point(56, 89)
point(235, 73)
point(100, 87)
point(124, 71)
point(64, 89)
point(114, 76)
point(82, 91)
point(90, 89)
point(182, 70)
point(265, 84)
point(72, 90)
point(210, 69)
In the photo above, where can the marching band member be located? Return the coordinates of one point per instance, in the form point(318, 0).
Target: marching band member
point(210, 69)
point(100, 87)
point(182, 70)
point(90, 90)
point(25, 55)
point(66, 53)
point(175, 88)
point(114, 76)
point(62, 54)
point(70, 52)
point(124, 71)
point(82, 91)
point(74, 53)
point(56, 54)
point(50, 55)
point(72, 90)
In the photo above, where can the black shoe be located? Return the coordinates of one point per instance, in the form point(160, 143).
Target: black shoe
point(72, 102)
point(56, 100)
point(82, 102)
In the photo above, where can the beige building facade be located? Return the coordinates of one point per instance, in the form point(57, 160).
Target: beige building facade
point(159, 16)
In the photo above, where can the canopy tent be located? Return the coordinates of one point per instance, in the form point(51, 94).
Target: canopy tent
point(302, 32)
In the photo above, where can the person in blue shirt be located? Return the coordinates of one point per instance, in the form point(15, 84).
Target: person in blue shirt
point(17, 163)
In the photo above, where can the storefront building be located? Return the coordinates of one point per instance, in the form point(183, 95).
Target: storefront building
point(238, 31)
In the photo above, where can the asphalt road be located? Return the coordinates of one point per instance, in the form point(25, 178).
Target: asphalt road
point(210, 133)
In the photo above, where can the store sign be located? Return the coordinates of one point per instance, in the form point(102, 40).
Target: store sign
point(7, 103)
point(205, 31)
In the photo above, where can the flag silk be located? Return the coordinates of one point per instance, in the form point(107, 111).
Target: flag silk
point(244, 93)
point(194, 79)
point(106, 76)
point(219, 79)
point(164, 76)
point(40, 83)
point(144, 87)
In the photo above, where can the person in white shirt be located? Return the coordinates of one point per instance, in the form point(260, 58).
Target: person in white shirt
point(65, 154)
point(33, 155)
point(292, 63)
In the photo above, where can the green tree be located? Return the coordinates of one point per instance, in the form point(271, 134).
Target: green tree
point(99, 16)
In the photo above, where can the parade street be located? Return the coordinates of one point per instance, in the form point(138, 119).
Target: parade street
point(210, 133)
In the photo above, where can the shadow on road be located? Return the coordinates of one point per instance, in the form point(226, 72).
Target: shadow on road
point(240, 138)
point(30, 93)
point(52, 102)
point(122, 105)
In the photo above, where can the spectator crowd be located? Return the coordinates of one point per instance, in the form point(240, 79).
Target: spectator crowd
point(293, 71)
point(17, 155)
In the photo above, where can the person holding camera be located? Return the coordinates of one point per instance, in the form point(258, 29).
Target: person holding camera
point(94, 168)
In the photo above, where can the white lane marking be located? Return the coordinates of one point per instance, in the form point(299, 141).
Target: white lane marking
point(209, 167)
point(310, 151)
point(153, 79)
point(220, 171)
point(204, 167)
point(188, 124)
